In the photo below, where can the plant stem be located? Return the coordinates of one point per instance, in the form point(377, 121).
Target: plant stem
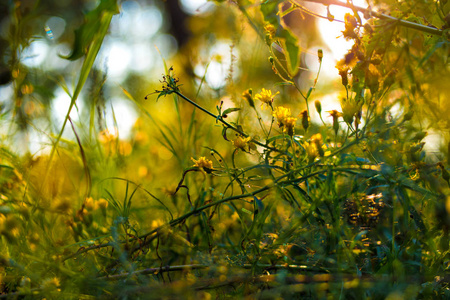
point(220, 118)
point(404, 23)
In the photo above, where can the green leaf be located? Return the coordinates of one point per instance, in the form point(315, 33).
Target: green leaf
point(224, 133)
point(246, 211)
point(309, 92)
point(259, 204)
point(87, 32)
point(290, 45)
point(287, 39)
point(230, 110)
point(430, 52)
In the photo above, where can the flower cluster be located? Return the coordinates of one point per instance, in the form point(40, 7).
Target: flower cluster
point(281, 114)
point(266, 97)
point(202, 163)
point(314, 147)
point(289, 125)
point(242, 143)
point(270, 33)
point(169, 85)
point(284, 119)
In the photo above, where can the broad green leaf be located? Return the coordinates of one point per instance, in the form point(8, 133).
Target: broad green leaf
point(290, 45)
point(87, 32)
point(287, 39)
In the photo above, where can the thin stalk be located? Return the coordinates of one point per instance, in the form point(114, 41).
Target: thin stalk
point(404, 23)
point(220, 119)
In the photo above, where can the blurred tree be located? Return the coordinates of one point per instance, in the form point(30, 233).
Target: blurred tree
point(178, 22)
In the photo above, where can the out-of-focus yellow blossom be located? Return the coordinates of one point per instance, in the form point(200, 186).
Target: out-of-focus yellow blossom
point(112, 145)
point(89, 203)
point(281, 113)
point(266, 97)
point(63, 205)
point(141, 137)
point(27, 89)
point(242, 143)
point(156, 223)
point(106, 136)
point(24, 210)
point(289, 124)
point(247, 95)
point(102, 203)
point(33, 108)
point(305, 119)
point(125, 148)
point(317, 140)
point(350, 109)
point(202, 163)
point(372, 78)
point(311, 151)
point(108, 140)
point(343, 71)
point(142, 171)
point(335, 114)
point(314, 147)
point(270, 30)
point(9, 227)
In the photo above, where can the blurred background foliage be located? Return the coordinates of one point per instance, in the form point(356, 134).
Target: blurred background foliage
point(89, 201)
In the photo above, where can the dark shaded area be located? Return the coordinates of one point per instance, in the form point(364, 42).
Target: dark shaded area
point(178, 19)
point(5, 72)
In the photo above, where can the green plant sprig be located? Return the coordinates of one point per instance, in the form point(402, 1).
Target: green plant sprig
point(404, 23)
point(170, 86)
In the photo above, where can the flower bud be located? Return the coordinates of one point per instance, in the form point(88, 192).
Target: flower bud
point(247, 95)
point(320, 54)
point(268, 39)
point(305, 119)
point(318, 106)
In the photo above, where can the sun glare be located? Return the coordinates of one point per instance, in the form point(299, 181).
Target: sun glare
point(331, 32)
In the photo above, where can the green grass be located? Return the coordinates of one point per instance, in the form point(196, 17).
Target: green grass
point(219, 198)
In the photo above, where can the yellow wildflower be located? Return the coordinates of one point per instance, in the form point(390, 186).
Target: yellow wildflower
point(335, 114)
point(242, 143)
point(124, 148)
point(102, 203)
point(105, 136)
point(202, 163)
point(281, 113)
point(266, 97)
point(89, 203)
point(350, 108)
point(372, 78)
point(247, 95)
point(311, 151)
point(317, 141)
point(289, 124)
point(270, 30)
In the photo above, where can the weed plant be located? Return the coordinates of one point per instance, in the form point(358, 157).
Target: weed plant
point(267, 204)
